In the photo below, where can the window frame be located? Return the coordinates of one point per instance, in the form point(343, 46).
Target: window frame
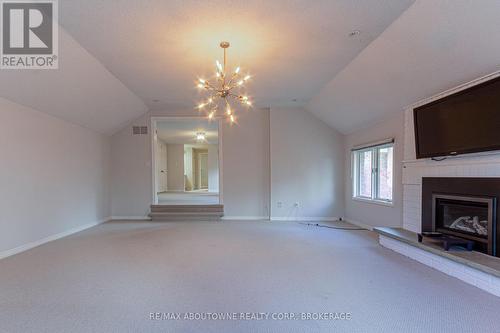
point(375, 174)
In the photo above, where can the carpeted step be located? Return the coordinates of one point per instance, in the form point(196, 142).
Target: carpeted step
point(186, 212)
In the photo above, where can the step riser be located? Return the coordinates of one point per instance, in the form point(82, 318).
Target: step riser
point(156, 217)
point(186, 212)
point(181, 209)
point(166, 210)
point(187, 206)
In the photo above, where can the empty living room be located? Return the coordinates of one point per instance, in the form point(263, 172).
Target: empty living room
point(249, 166)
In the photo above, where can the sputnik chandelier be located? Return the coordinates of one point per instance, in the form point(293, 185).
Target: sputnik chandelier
point(226, 88)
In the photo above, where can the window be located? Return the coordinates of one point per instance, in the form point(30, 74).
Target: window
point(372, 172)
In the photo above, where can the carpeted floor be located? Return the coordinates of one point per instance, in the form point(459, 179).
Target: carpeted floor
point(111, 277)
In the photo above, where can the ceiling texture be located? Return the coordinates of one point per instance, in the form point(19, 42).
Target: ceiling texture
point(184, 131)
point(434, 46)
point(121, 58)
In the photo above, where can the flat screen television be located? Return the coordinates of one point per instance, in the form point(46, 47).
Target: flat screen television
point(465, 122)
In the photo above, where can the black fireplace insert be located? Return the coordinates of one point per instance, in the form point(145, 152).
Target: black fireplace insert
point(463, 207)
point(465, 217)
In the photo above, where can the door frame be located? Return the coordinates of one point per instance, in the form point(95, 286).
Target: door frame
point(154, 121)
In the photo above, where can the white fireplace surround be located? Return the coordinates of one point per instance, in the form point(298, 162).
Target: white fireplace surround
point(485, 164)
point(471, 165)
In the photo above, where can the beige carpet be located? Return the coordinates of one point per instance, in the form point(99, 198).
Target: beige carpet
point(109, 278)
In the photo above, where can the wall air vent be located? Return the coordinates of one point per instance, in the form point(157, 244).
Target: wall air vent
point(139, 130)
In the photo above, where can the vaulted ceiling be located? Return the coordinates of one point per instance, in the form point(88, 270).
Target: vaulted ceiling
point(433, 46)
point(121, 58)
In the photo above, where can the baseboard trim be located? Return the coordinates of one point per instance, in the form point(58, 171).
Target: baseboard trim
point(246, 218)
point(359, 224)
point(31, 245)
point(127, 218)
point(305, 219)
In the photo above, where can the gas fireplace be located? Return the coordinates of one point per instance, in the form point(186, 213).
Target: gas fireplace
point(464, 208)
point(465, 217)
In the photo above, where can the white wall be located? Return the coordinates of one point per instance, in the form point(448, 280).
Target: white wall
point(213, 168)
point(53, 175)
point(307, 166)
point(175, 167)
point(372, 214)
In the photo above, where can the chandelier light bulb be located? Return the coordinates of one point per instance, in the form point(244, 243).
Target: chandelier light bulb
point(219, 66)
point(225, 91)
point(200, 136)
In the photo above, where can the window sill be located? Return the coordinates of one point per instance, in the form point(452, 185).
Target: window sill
point(375, 202)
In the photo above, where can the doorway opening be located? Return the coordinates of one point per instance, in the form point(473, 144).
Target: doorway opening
point(186, 161)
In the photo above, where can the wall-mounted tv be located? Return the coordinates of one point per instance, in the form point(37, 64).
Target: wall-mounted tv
point(465, 122)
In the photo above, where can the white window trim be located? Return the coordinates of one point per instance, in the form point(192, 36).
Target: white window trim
point(375, 161)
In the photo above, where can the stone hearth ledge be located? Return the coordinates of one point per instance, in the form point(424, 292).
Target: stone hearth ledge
point(478, 269)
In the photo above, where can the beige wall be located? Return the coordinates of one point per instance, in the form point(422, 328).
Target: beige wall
point(371, 214)
point(245, 149)
point(175, 167)
point(131, 175)
point(213, 168)
point(54, 176)
point(307, 166)
point(246, 160)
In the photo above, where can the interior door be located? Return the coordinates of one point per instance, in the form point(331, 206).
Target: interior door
point(204, 170)
point(163, 167)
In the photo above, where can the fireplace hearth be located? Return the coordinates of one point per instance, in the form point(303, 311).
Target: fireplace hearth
point(464, 208)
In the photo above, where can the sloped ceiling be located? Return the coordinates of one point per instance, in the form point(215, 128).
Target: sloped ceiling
point(81, 91)
point(120, 58)
point(433, 46)
point(157, 48)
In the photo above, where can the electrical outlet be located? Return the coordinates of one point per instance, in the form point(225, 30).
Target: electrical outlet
point(279, 204)
point(296, 205)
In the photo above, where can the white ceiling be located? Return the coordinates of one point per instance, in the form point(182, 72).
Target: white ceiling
point(116, 57)
point(184, 131)
point(157, 48)
point(431, 47)
point(81, 91)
